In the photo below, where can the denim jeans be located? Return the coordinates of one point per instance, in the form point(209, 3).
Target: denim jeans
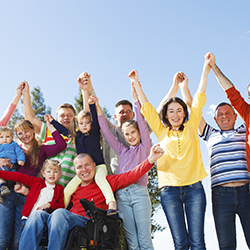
point(134, 207)
point(227, 202)
point(184, 208)
point(10, 225)
point(59, 223)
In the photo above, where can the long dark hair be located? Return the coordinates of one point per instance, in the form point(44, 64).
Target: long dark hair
point(165, 109)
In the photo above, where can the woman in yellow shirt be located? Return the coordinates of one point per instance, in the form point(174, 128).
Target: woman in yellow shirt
point(180, 170)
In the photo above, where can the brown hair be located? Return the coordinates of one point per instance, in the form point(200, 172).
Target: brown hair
point(131, 123)
point(165, 109)
point(124, 102)
point(224, 104)
point(36, 143)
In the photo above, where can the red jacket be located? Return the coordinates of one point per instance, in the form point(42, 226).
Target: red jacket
point(35, 184)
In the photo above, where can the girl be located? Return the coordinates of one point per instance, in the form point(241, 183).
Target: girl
point(133, 201)
point(87, 140)
point(36, 154)
point(180, 170)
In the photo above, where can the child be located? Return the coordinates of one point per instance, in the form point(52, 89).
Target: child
point(9, 150)
point(44, 192)
point(133, 201)
point(87, 140)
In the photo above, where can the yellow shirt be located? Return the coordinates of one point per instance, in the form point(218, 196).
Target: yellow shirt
point(181, 163)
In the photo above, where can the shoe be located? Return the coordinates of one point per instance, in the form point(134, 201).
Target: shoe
point(4, 190)
point(112, 212)
point(1, 200)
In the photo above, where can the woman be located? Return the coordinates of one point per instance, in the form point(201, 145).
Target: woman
point(36, 153)
point(180, 170)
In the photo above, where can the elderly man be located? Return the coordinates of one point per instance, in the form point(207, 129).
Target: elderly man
point(62, 220)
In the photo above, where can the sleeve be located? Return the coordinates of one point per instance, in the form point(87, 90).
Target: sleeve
point(62, 130)
point(238, 102)
point(7, 114)
point(143, 128)
point(110, 138)
point(95, 125)
point(15, 176)
point(19, 152)
point(54, 149)
point(153, 119)
point(123, 180)
point(57, 201)
point(206, 132)
point(196, 109)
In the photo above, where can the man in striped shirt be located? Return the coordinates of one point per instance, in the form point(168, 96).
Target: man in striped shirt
point(229, 175)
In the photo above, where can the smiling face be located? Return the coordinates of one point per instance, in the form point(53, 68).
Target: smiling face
point(26, 136)
point(175, 115)
point(6, 137)
point(225, 117)
point(65, 116)
point(131, 134)
point(123, 113)
point(51, 174)
point(85, 169)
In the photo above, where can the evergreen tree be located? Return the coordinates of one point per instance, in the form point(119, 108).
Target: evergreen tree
point(78, 102)
point(38, 105)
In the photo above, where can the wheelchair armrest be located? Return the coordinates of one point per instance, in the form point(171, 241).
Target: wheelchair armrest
point(91, 209)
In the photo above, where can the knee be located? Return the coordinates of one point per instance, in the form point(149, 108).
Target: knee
point(58, 216)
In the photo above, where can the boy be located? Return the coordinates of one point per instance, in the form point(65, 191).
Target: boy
point(9, 150)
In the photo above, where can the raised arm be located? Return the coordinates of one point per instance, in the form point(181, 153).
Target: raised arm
point(11, 108)
point(204, 76)
point(85, 85)
point(178, 77)
point(27, 109)
point(221, 78)
point(133, 75)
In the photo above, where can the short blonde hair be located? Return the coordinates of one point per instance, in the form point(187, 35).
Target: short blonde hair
point(51, 163)
point(83, 114)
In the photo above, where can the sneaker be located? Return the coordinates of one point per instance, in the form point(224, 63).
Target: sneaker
point(112, 212)
point(1, 200)
point(4, 190)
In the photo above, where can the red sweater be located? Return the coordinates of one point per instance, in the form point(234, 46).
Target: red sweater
point(243, 108)
point(35, 184)
point(92, 192)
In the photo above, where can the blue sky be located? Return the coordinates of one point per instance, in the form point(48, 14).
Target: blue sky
point(49, 43)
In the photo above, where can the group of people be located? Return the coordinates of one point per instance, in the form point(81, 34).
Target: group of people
point(74, 165)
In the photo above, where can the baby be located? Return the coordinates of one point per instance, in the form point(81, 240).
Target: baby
point(9, 150)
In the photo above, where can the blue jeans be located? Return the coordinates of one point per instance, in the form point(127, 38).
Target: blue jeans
point(10, 225)
point(184, 208)
point(227, 202)
point(134, 207)
point(59, 223)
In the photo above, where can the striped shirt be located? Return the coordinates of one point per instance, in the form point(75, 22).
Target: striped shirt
point(66, 157)
point(227, 153)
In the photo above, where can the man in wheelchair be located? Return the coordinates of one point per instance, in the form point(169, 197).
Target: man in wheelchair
point(61, 220)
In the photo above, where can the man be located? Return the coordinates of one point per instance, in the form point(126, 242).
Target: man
point(62, 220)
point(65, 115)
point(229, 176)
point(235, 98)
point(123, 113)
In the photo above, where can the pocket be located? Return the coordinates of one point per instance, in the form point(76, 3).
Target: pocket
point(165, 189)
point(196, 185)
point(217, 192)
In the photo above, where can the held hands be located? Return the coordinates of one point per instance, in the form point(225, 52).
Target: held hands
point(180, 80)
point(93, 99)
point(44, 206)
point(210, 59)
point(155, 153)
point(48, 118)
point(133, 76)
point(24, 87)
point(84, 80)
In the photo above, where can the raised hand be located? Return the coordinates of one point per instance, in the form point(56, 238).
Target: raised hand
point(25, 87)
point(155, 153)
point(210, 59)
point(133, 75)
point(92, 99)
point(48, 118)
point(84, 80)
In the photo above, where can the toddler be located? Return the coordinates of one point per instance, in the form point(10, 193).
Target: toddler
point(9, 150)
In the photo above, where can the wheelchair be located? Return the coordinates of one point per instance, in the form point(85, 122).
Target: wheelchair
point(101, 232)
